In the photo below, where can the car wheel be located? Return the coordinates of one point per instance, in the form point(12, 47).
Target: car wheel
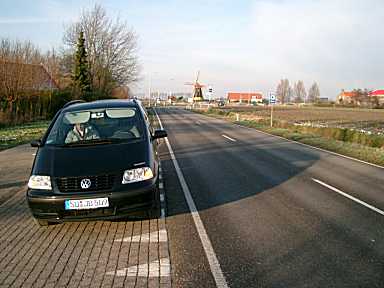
point(155, 212)
point(41, 222)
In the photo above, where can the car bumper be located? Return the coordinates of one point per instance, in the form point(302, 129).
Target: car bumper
point(121, 204)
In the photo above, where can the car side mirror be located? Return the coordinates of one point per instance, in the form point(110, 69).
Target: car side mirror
point(159, 134)
point(36, 143)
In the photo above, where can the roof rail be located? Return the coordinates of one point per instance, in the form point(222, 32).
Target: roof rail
point(73, 102)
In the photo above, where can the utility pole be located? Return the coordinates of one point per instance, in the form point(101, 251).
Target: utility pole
point(149, 91)
point(272, 101)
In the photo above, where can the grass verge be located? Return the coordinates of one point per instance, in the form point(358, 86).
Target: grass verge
point(21, 134)
point(358, 151)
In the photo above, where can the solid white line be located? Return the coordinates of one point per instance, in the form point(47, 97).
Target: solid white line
point(349, 196)
point(229, 138)
point(312, 147)
point(207, 245)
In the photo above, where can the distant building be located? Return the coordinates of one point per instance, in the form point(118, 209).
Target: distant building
point(24, 77)
point(347, 97)
point(323, 99)
point(245, 97)
point(361, 98)
point(379, 94)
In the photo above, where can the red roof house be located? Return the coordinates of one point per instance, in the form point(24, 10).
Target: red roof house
point(24, 76)
point(378, 93)
point(247, 97)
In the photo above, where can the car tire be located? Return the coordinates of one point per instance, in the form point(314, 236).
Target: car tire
point(41, 222)
point(155, 212)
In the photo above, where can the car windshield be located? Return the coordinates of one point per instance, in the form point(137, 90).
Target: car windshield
point(96, 126)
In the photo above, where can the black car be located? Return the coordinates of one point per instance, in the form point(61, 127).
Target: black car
point(97, 160)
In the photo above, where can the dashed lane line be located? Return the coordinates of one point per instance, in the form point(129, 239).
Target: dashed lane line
point(152, 242)
point(312, 147)
point(147, 237)
point(206, 242)
point(373, 208)
point(229, 138)
point(155, 268)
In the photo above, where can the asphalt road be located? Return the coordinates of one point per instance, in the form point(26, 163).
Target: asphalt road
point(272, 209)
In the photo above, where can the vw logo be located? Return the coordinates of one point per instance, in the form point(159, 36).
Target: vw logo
point(85, 183)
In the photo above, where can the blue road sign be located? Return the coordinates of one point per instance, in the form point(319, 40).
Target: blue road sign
point(272, 98)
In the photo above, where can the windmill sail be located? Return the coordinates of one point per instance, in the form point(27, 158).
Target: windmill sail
point(198, 92)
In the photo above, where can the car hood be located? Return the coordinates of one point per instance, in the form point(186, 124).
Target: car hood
point(90, 160)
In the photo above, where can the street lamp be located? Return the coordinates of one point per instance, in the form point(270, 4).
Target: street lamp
point(149, 86)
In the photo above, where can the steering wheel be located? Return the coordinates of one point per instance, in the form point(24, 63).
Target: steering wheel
point(123, 134)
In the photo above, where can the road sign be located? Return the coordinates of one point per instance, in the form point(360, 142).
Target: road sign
point(272, 98)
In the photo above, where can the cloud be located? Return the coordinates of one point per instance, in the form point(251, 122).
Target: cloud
point(237, 45)
point(337, 43)
point(27, 20)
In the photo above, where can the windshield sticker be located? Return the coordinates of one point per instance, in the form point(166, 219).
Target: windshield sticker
point(97, 115)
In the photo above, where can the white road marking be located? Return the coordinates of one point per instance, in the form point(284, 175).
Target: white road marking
point(161, 185)
point(161, 197)
point(349, 196)
point(229, 138)
point(153, 269)
point(312, 147)
point(207, 245)
point(155, 236)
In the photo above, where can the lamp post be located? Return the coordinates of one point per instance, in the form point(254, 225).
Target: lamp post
point(150, 86)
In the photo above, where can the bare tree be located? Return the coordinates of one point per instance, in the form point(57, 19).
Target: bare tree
point(299, 92)
point(290, 94)
point(314, 93)
point(111, 48)
point(15, 75)
point(283, 91)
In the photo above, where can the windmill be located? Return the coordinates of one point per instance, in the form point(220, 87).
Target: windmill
point(198, 93)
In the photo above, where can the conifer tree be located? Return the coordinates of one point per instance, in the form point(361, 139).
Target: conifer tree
point(81, 77)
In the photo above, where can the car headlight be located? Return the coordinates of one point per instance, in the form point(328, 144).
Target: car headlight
point(136, 175)
point(40, 182)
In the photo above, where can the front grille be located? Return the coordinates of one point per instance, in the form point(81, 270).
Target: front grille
point(98, 183)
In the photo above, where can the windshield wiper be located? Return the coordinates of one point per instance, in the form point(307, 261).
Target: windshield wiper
point(99, 141)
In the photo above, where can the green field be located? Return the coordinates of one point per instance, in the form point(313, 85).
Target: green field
point(338, 130)
point(369, 121)
point(21, 134)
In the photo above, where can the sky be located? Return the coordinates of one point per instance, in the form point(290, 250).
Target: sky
point(238, 46)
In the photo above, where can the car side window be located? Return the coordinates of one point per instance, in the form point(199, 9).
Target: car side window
point(147, 119)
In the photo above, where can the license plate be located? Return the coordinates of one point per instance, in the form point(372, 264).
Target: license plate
point(86, 204)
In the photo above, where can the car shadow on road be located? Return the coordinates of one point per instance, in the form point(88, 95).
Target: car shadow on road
point(219, 172)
